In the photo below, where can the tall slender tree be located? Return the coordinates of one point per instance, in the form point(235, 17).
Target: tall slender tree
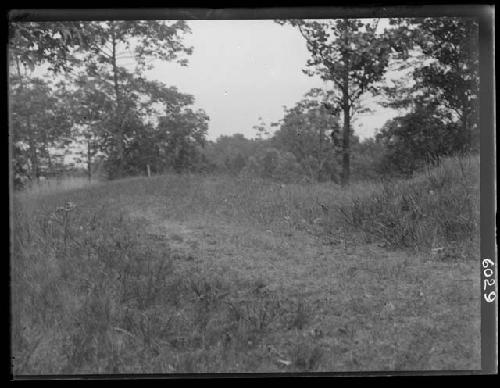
point(354, 56)
point(39, 119)
point(303, 133)
point(140, 40)
point(32, 44)
point(89, 106)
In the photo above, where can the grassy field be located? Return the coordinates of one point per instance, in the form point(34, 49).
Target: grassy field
point(187, 273)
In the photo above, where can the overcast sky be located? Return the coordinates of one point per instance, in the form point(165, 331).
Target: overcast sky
point(241, 70)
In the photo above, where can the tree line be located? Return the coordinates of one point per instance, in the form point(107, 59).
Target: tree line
point(118, 115)
point(130, 124)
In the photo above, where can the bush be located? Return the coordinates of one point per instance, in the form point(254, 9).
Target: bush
point(275, 165)
point(436, 208)
point(366, 160)
point(418, 138)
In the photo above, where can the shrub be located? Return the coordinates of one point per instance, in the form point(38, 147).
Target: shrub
point(418, 138)
point(275, 165)
point(436, 208)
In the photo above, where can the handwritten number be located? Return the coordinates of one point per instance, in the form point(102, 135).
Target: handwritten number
point(488, 282)
point(490, 297)
point(488, 274)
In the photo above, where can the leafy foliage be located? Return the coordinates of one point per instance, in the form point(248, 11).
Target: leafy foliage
point(113, 112)
point(184, 133)
point(230, 153)
point(104, 104)
point(352, 55)
point(142, 42)
point(39, 121)
point(33, 43)
point(448, 80)
point(309, 132)
point(368, 160)
point(413, 140)
point(274, 164)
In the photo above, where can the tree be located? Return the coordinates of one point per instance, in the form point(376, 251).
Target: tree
point(30, 99)
point(114, 41)
point(89, 106)
point(230, 153)
point(367, 159)
point(448, 81)
point(261, 130)
point(352, 55)
point(31, 44)
point(418, 138)
point(169, 133)
point(304, 133)
point(183, 135)
point(271, 163)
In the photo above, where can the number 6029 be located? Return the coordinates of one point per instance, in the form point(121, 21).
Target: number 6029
point(488, 273)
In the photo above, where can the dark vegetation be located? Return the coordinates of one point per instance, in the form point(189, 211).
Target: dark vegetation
point(125, 125)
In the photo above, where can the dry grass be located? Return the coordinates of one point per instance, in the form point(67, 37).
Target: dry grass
point(439, 209)
point(213, 274)
point(55, 185)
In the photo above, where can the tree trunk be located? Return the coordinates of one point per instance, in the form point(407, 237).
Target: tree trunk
point(320, 154)
point(49, 160)
point(31, 140)
point(89, 160)
point(35, 169)
point(465, 126)
point(347, 118)
point(346, 148)
point(467, 133)
point(118, 112)
point(46, 152)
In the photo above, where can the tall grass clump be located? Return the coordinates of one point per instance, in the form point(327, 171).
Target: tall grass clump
point(438, 208)
point(85, 283)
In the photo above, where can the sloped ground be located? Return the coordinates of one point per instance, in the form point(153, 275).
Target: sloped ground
point(216, 274)
point(366, 308)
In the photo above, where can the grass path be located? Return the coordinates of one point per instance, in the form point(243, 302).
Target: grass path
point(185, 273)
point(366, 307)
point(190, 274)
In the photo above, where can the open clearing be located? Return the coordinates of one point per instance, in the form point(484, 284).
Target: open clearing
point(212, 274)
point(368, 308)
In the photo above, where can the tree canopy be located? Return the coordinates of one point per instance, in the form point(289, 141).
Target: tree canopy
point(96, 97)
point(351, 54)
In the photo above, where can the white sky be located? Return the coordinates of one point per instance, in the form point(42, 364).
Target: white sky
point(241, 70)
